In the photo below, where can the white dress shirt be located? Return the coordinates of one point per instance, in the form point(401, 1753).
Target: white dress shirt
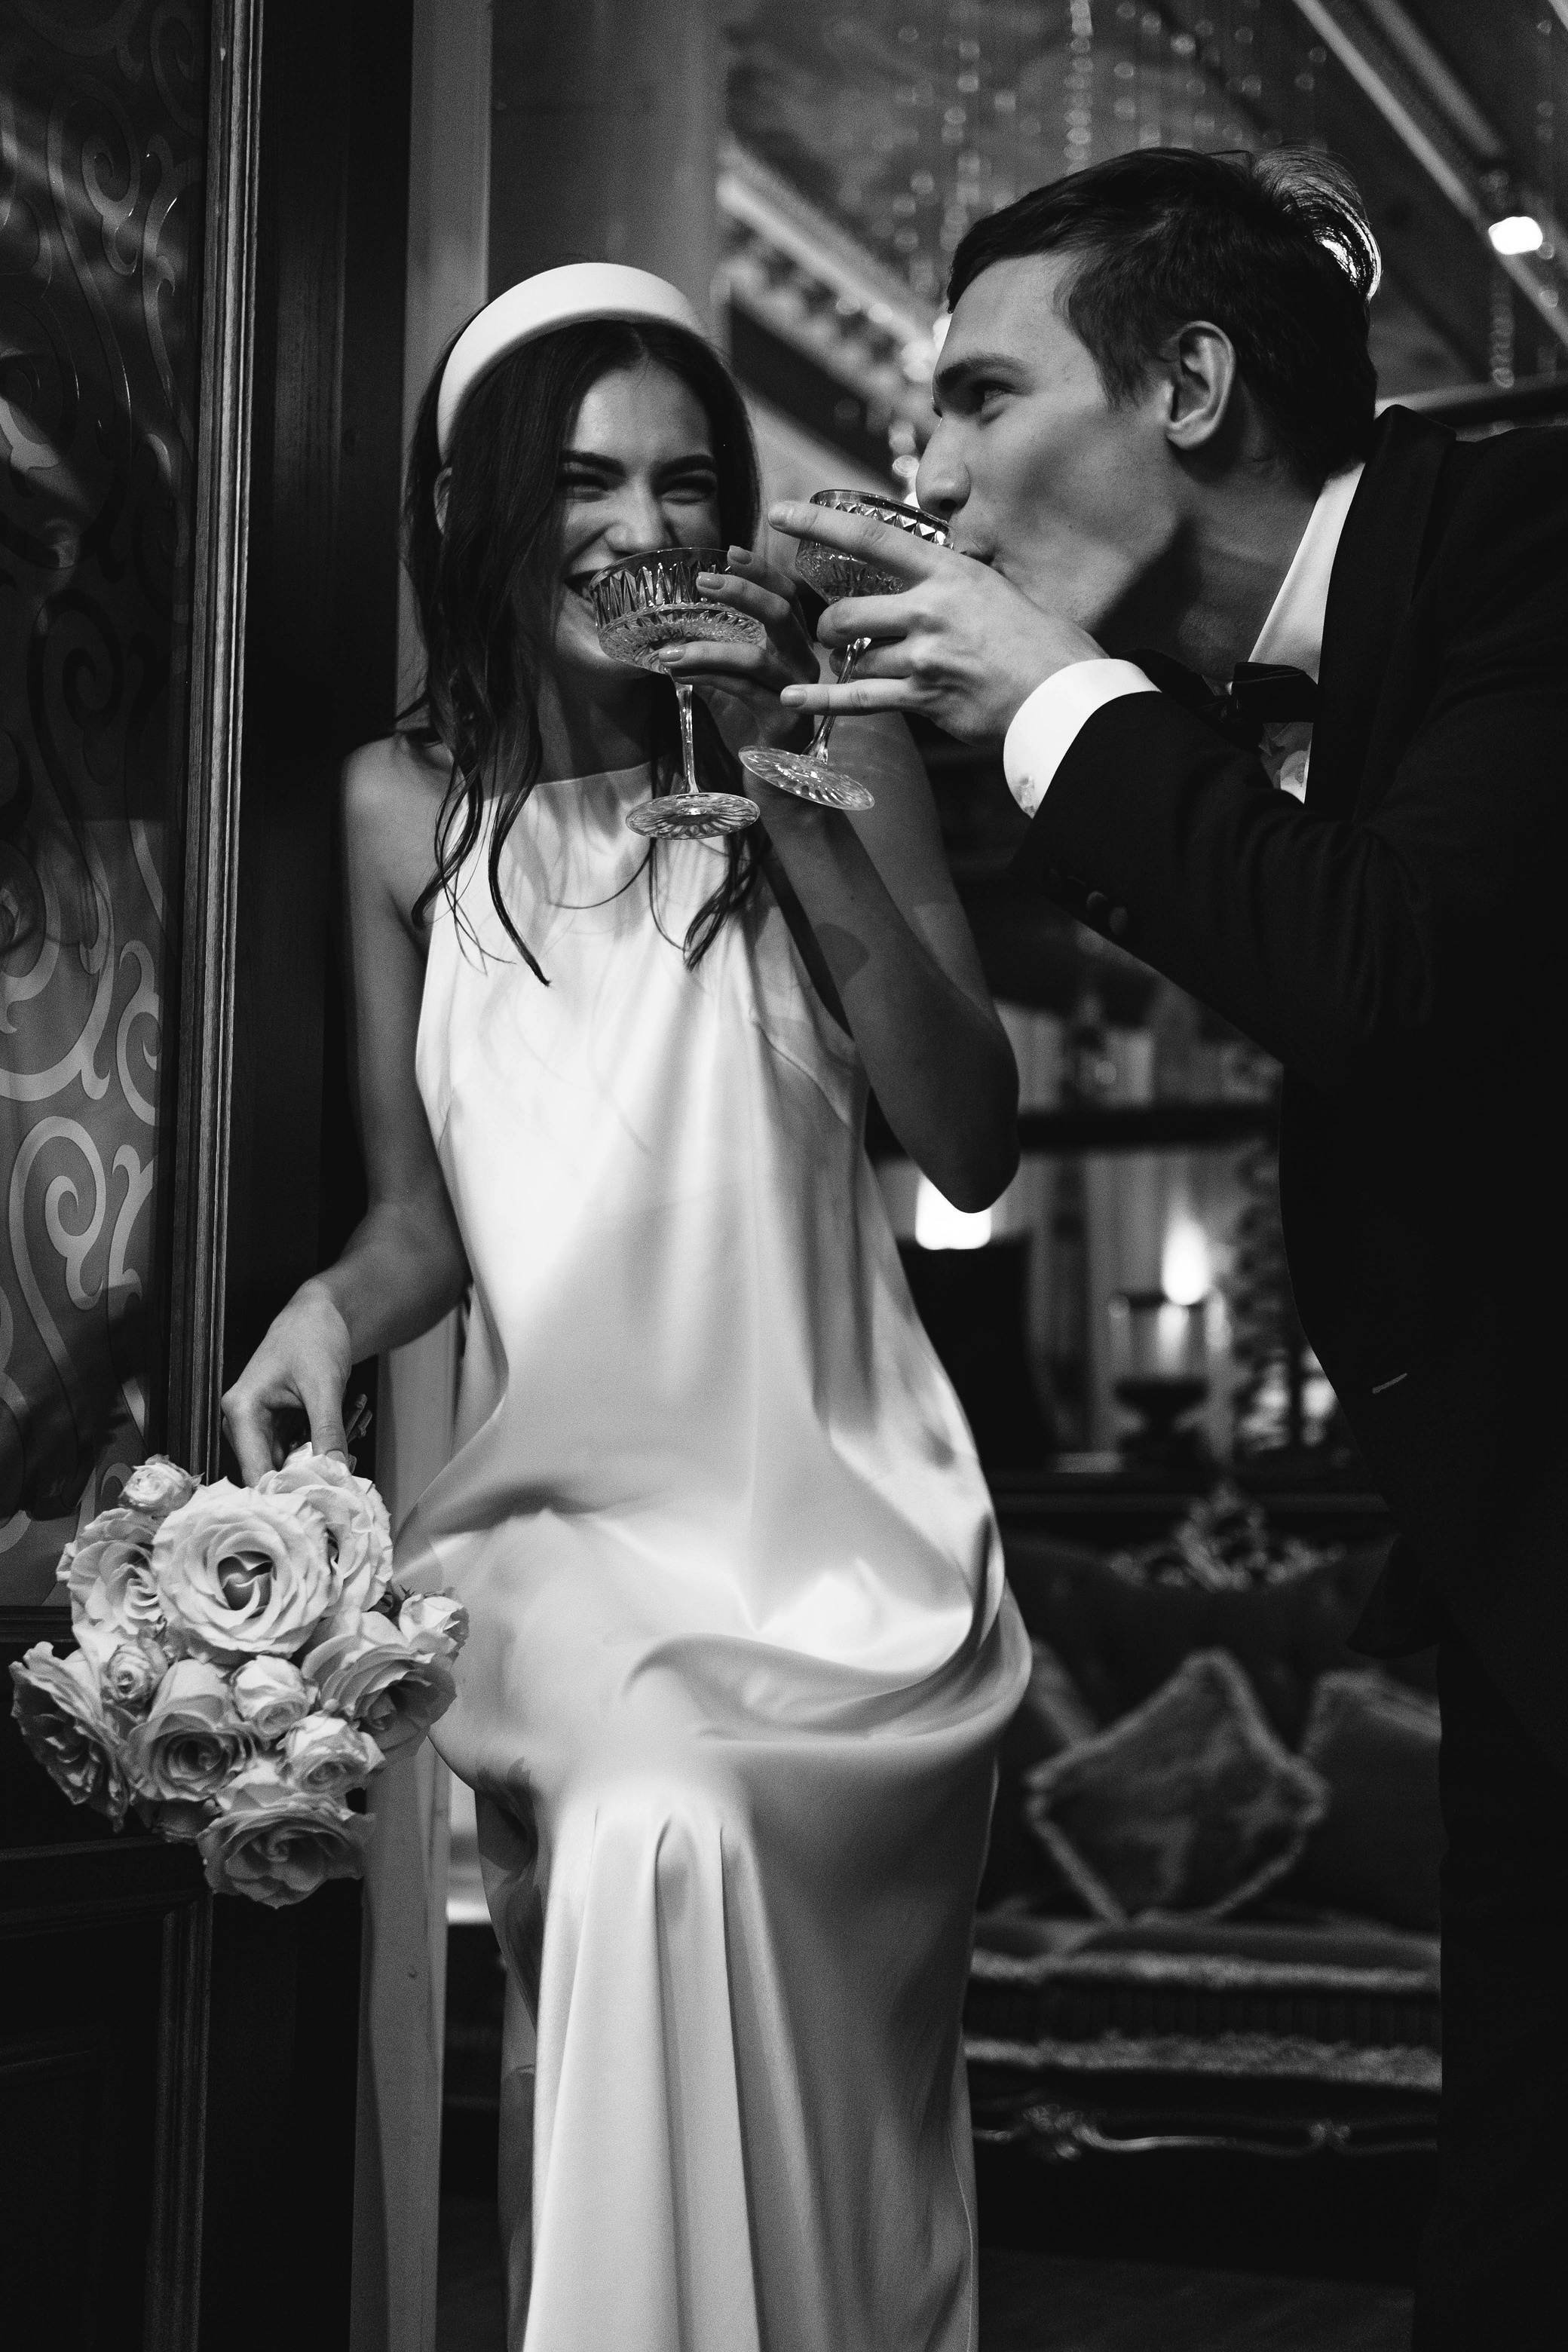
point(1045, 726)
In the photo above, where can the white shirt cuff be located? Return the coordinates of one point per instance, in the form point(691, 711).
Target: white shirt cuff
point(1045, 724)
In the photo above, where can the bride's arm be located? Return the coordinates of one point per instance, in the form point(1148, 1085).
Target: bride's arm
point(403, 1265)
point(878, 897)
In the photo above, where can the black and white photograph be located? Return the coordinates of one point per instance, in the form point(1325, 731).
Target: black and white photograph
point(783, 1289)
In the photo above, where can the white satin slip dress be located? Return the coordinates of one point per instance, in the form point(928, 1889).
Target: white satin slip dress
point(740, 1652)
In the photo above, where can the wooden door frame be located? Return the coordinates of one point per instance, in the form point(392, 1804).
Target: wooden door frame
point(214, 737)
point(204, 1049)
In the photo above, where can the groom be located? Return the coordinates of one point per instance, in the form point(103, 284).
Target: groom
point(1156, 437)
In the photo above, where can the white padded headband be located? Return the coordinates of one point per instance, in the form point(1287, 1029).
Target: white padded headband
point(537, 306)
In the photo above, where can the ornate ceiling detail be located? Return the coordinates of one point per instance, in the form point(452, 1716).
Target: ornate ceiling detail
point(869, 138)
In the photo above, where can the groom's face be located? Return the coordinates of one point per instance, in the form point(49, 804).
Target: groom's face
point(1072, 500)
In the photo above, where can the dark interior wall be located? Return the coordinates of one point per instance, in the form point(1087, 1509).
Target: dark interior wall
point(321, 624)
point(321, 665)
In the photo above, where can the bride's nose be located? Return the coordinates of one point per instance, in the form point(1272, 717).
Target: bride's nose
point(638, 524)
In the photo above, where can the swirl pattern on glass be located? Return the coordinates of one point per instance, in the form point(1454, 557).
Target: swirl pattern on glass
point(100, 265)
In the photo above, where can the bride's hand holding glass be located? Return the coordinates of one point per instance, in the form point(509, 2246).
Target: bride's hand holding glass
point(704, 617)
point(753, 671)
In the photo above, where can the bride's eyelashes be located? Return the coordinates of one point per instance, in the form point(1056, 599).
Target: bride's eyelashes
point(585, 481)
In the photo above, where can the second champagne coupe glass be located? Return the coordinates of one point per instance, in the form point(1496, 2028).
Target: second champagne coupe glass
point(654, 601)
point(834, 574)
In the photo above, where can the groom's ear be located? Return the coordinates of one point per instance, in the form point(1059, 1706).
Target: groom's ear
point(1200, 378)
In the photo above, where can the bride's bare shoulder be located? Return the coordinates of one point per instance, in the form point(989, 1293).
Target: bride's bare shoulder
point(392, 795)
point(395, 779)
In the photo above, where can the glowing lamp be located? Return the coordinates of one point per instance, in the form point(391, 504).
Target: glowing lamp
point(1185, 1271)
point(1518, 233)
point(940, 1227)
point(1159, 1372)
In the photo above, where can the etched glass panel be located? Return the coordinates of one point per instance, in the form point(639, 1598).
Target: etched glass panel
point(102, 163)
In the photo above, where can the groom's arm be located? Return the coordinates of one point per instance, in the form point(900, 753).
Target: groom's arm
point(1358, 951)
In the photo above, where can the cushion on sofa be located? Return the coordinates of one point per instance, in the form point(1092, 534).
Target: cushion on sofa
point(1191, 1803)
point(1053, 1716)
point(1376, 1850)
point(1121, 1642)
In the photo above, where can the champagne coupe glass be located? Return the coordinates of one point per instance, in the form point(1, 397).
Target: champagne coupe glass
point(653, 601)
point(834, 574)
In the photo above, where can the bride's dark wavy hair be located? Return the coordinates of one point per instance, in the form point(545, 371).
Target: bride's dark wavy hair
point(487, 589)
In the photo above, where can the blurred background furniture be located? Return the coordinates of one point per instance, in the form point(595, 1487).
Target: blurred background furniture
point(1303, 2020)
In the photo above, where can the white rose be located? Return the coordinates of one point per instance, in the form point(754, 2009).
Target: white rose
point(358, 1530)
point(382, 1682)
point(271, 1694)
point(180, 1818)
point(107, 1571)
point(244, 1573)
point(433, 1622)
point(60, 1716)
point(131, 1673)
point(191, 1739)
point(277, 1846)
point(158, 1486)
point(326, 1757)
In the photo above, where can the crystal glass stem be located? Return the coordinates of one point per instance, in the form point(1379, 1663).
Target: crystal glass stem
point(688, 747)
point(851, 663)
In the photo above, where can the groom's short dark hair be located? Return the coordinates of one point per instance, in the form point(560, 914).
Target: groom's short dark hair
point(1274, 248)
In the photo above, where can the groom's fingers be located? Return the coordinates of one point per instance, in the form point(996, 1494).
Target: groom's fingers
point(861, 694)
point(876, 542)
point(884, 619)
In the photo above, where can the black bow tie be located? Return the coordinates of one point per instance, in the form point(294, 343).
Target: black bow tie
point(1260, 695)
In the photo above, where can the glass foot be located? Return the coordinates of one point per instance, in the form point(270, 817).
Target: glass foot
point(807, 779)
point(699, 816)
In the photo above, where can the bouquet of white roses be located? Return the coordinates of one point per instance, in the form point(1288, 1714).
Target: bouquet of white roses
point(244, 1662)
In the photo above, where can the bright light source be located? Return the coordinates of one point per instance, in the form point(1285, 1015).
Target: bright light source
point(1184, 1268)
point(938, 1225)
point(1520, 233)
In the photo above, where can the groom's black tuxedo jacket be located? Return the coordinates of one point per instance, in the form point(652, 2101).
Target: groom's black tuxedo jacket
point(1399, 943)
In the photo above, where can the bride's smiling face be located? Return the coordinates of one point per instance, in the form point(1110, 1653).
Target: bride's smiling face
point(636, 473)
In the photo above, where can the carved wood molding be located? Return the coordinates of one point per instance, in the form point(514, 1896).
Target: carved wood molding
point(212, 844)
point(1059, 2134)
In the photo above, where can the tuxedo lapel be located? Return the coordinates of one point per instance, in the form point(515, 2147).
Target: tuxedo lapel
point(1370, 590)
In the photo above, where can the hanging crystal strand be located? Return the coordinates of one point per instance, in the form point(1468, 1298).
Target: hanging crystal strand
point(1500, 340)
point(1246, 63)
point(1305, 84)
point(1187, 88)
point(1547, 348)
point(1151, 91)
point(1078, 88)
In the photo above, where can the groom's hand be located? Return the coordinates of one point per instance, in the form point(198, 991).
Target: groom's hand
point(960, 645)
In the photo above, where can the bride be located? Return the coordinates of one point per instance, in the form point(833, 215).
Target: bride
point(740, 1652)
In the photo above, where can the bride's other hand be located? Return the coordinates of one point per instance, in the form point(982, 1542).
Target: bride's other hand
point(754, 675)
point(300, 1372)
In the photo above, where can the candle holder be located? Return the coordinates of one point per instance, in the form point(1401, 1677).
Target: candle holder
point(1159, 1361)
